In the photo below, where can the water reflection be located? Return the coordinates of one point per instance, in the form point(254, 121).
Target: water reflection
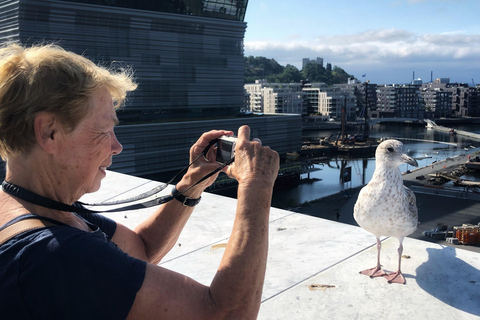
point(426, 145)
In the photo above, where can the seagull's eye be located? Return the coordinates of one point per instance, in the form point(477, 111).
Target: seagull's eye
point(390, 149)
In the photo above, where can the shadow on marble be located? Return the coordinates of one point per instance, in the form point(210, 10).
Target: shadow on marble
point(450, 279)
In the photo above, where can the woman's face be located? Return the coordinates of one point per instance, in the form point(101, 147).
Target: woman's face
point(87, 151)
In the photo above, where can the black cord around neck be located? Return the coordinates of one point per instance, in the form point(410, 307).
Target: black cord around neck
point(78, 206)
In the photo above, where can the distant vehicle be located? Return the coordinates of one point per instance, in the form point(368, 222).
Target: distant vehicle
point(331, 119)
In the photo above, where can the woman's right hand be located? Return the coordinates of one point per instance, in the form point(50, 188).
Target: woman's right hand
point(253, 163)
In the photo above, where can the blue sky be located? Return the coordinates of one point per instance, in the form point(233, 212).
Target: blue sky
point(387, 40)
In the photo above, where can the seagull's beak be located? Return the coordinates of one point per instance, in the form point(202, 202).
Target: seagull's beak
point(409, 160)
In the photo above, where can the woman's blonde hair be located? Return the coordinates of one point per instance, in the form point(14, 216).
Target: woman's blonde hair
point(47, 78)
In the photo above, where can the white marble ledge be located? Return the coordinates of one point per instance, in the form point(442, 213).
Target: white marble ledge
point(441, 281)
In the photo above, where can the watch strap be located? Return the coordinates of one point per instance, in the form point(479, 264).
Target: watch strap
point(186, 201)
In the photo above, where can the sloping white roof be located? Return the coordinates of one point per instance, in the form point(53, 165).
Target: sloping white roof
point(313, 264)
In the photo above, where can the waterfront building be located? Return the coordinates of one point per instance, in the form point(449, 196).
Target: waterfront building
point(437, 100)
point(188, 60)
point(386, 104)
point(451, 99)
point(460, 99)
point(285, 98)
point(474, 102)
point(317, 101)
point(398, 101)
point(330, 101)
point(365, 95)
point(301, 98)
point(253, 98)
point(367, 98)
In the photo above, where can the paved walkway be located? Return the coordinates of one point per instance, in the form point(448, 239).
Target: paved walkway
point(442, 165)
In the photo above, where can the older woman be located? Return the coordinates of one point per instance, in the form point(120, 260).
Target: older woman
point(57, 118)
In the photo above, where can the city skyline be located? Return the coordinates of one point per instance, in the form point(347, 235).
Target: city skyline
point(387, 41)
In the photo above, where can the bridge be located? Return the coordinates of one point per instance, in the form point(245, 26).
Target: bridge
point(402, 120)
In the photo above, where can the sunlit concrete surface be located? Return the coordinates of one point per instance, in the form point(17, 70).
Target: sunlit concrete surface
point(313, 263)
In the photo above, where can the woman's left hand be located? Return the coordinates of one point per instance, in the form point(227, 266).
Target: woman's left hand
point(202, 166)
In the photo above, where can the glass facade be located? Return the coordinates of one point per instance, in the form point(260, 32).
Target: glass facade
point(220, 9)
point(187, 66)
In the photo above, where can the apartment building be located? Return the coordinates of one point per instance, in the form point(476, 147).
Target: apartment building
point(399, 101)
point(474, 102)
point(437, 100)
point(286, 98)
point(332, 101)
point(254, 97)
point(301, 98)
point(443, 99)
point(317, 101)
point(461, 94)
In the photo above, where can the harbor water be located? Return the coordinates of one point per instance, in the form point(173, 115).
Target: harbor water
point(425, 145)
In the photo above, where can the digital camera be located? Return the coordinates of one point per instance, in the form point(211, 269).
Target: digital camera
point(225, 148)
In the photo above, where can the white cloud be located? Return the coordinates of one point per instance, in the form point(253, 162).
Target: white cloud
point(386, 48)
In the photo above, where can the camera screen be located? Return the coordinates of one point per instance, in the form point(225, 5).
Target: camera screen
point(224, 151)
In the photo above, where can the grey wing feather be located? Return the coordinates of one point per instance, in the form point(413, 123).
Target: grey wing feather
point(412, 203)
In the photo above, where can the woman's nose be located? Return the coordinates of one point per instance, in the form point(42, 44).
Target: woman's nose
point(116, 145)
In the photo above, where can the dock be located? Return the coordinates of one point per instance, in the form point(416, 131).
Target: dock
point(332, 148)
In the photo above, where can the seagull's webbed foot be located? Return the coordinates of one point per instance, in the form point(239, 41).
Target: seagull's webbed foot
point(374, 272)
point(395, 277)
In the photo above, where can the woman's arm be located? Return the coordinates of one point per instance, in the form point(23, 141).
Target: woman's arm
point(235, 292)
point(155, 236)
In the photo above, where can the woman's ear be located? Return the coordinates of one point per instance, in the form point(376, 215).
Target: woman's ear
point(46, 131)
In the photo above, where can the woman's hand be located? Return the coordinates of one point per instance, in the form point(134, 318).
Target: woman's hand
point(254, 163)
point(202, 166)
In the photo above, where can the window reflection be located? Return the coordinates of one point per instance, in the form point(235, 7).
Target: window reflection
point(221, 9)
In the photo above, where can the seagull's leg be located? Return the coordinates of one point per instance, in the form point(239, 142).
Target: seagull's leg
point(376, 271)
point(397, 277)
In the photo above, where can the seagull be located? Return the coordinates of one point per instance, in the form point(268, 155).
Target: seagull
point(385, 207)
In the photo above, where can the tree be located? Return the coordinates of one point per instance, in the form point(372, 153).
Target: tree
point(289, 74)
point(314, 72)
point(339, 75)
point(263, 68)
point(260, 68)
